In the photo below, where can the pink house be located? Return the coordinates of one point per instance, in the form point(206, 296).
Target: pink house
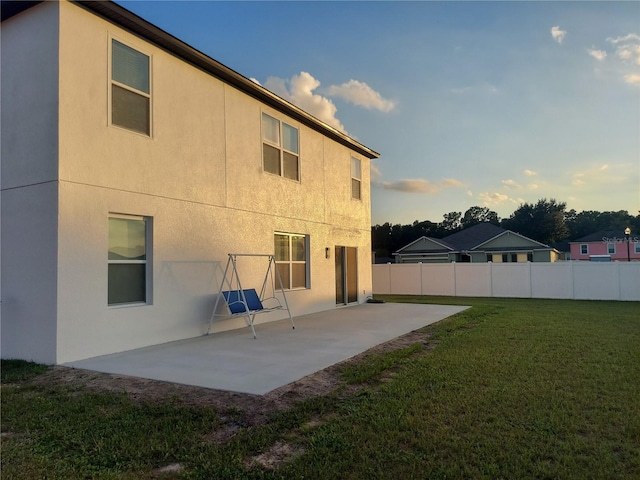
point(607, 246)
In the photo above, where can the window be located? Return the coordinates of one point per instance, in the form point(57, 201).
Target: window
point(292, 259)
point(280, 149)
point(130, 89)
point(636, 247)
point(611, 248)
point(505, 258)
point(356, 179)
point(584, 249)
point(128, 259)
point(514, 257)
point(529, 257)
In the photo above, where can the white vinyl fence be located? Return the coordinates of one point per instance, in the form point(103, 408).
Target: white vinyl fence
point(572, 280)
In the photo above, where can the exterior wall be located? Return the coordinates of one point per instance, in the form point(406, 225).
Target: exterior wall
point(600, 248)
point(29, 184)
point(199, 177)
point(568, 280)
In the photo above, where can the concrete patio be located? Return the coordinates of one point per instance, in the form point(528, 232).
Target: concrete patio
point(236, 362)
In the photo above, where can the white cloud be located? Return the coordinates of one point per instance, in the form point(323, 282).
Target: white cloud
point(375, 171)
point(632, 79)
point(599, 55)
point(491, 199)
point(361, 94)
point(254, 80)
point(510, 183)
point(420, 185)
point(299, 90)
point(529, 173)
point(558, 34)
point(629, 53)
point(626, 38)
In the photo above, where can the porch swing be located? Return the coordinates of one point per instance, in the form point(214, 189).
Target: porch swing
point(240, 302)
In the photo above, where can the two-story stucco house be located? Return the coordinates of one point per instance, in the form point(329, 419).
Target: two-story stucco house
point(132, 164)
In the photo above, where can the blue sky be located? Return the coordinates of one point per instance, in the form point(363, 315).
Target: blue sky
point(468, 103)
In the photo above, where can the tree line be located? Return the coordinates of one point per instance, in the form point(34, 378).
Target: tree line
point(546, 221)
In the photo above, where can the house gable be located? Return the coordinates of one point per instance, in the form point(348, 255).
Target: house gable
point(425, 245)
point(509, 240)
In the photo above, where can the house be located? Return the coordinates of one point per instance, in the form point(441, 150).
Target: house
point(483, 242)
point(133, 164)
point(606, 246)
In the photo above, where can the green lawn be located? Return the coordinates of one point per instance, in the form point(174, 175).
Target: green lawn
point(511, 388)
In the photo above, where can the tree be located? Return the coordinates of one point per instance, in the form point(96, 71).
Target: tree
point(476, 215)
point(589, 221)
point(542, 221)
point(451, 222)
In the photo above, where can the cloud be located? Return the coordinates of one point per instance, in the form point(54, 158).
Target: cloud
point(510, 183)
point(557, 34)
point(491, 199)
point(599, 55)
point(420, 185)
point(632, 79)
point(529, 173)
point(375, 171)
point(361, 94)
point(595, 176)
point(299, 90)
point(626, 38)
point(629, 53)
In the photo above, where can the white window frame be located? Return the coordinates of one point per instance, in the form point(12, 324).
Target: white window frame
point(356, 178)
point(113, 82)
point(611, 248)
point(291, 262)
point(280, 146)
point(636, 247)
point(584, 249)
point(147, 261)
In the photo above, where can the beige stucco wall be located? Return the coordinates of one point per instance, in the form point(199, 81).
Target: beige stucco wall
point(199, 177)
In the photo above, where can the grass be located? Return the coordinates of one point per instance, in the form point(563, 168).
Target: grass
point(514, 388)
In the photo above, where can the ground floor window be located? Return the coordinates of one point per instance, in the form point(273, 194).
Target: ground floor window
point(292, 259)
point(129, 259)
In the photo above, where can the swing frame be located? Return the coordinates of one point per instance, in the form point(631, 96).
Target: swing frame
point(247, 303)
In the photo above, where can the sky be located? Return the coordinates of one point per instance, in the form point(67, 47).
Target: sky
point(489, 104)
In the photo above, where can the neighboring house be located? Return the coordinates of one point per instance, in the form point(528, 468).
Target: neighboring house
point(606, 246)
point(483, 242)
point(132, 164)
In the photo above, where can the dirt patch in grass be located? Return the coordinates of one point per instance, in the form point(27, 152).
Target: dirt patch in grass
point(237, 410)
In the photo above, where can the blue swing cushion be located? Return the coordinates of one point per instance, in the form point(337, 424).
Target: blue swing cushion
point(235, 301)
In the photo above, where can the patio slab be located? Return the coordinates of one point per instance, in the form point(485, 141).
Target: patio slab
point(235, 361)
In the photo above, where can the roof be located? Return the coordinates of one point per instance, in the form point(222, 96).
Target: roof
point(600, 235)
point(471, 237)
point(133, 23)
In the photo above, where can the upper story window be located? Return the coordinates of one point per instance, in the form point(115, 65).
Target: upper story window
point(130, 88)
point(129, 259)
point(611, 248)
point(356, 179)
point(636, 247)
point(280, 148)
point(584, 249)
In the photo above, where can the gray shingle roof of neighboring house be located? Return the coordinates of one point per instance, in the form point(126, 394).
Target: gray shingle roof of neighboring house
point(474, 236)
point(600, 235)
